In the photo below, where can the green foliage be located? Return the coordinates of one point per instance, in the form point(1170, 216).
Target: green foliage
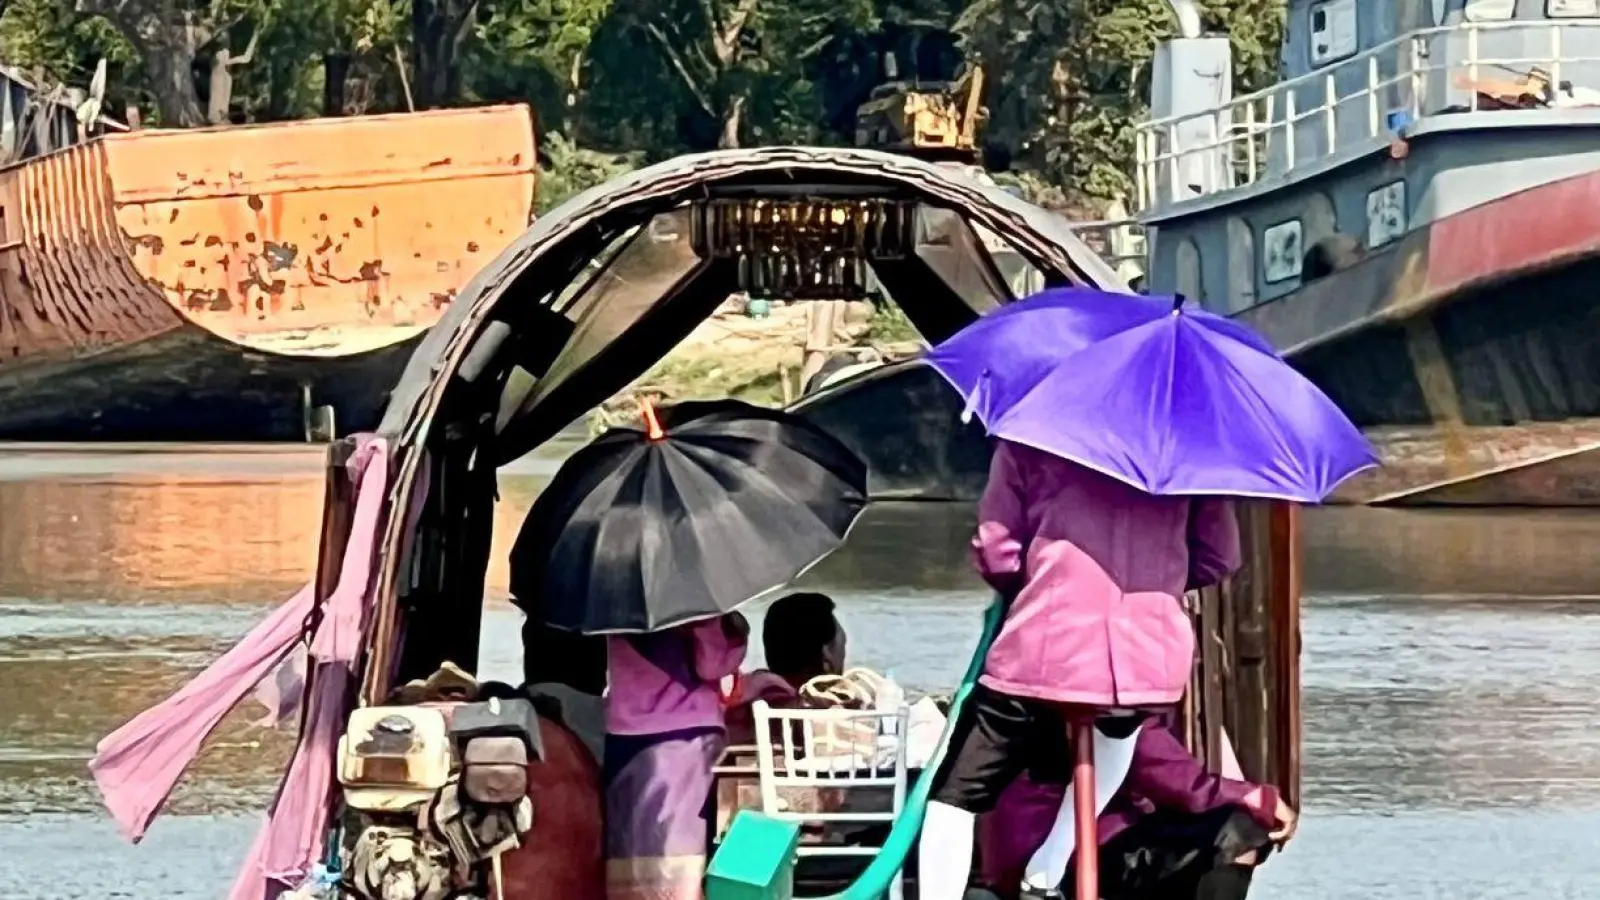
point(890, 325)
point(1070, 77)
point(637, 80)
point(48, 37)
point(570, 170)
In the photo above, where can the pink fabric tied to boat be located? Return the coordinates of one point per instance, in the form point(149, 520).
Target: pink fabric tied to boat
point(137, 766)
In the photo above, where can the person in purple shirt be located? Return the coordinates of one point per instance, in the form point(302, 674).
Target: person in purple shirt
point(1093, 572)
point(1171, 831)
point(664, 731)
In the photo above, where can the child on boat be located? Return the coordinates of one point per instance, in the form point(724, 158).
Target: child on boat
point(664, 732)
point(1093, 572)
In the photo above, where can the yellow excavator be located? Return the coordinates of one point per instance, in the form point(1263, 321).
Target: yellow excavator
point(937, 121)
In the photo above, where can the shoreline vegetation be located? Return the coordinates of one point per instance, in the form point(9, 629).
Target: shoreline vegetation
point(619, 83)
point(762, 360)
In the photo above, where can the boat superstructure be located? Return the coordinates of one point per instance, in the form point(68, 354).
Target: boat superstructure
point(1410, 214)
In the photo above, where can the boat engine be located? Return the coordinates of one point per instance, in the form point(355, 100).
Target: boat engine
point(392, 762)
point(434, 795)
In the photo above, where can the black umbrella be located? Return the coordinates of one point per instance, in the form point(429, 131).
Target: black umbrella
point(712, 505)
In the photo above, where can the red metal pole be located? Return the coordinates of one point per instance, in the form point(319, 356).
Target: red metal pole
point(1087, 828)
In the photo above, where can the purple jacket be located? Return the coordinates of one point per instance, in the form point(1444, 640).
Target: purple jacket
point(669, 680)
point(1164, 775)
point(1098, 570)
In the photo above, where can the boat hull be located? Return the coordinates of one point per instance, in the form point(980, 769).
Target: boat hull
point(1469, 351)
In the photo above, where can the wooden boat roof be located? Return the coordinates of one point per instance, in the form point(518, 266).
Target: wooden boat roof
point(596, 348)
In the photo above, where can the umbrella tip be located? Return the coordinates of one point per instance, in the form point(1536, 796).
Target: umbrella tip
point(1178, 300)
point(652, 425)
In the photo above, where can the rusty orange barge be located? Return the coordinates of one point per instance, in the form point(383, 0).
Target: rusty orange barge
point(241, 284)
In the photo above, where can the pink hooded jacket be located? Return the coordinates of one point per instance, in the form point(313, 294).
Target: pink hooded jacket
point(1098, 570)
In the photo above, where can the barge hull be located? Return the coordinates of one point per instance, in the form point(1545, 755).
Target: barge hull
point(220, 284)
point(190, 385)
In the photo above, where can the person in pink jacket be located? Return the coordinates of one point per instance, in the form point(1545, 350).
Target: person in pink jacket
point(664, 732)
point(1093, 572)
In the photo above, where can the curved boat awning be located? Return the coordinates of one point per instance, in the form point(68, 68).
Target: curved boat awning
point(598, 290)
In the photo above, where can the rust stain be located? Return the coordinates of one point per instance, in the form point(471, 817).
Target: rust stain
point(279, 256)
point(256, 232)
point(148, 242)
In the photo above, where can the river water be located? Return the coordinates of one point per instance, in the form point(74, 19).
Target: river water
point(1450, 669)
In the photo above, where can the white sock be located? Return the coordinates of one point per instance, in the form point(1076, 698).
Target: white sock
point(1048, 865)
point(944, 856)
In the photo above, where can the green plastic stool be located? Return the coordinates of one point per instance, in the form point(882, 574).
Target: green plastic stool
point(756, 860)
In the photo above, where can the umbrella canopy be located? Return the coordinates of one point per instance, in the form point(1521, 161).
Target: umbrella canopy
point(1168, 399)
point(996, 360)
point(709, 506)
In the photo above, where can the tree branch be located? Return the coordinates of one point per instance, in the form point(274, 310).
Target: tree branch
point(695, 88)
point(249, 51)
point(464, 23)
point(725, 37)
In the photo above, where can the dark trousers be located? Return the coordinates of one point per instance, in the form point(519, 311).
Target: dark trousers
point(1170, 855)
point(996, 738)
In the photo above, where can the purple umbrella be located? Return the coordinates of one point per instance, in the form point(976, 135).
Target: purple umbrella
point(1169, 400)
point(1026, 340)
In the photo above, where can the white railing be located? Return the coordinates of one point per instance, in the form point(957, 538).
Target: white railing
point(1353, 103)
point(1120, 242)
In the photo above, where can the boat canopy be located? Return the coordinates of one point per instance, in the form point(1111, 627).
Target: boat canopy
point(599, 290)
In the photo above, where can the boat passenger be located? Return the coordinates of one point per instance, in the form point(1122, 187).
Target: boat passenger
point(802, 639)
point(664, 732)
point(1172, 831)
point(1093, 572)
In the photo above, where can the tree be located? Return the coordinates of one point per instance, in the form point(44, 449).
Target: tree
point(50, 38)
point(439, 28)
point(1068, 80)
point(170, 36)
point(362, 39)
point(219, 99)
point(537, 50)
point(726, 54)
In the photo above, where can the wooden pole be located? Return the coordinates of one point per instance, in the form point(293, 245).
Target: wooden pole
point(1284, 612)
point(822, 316)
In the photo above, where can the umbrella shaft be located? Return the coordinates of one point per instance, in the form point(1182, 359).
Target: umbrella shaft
point(1083, 802)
